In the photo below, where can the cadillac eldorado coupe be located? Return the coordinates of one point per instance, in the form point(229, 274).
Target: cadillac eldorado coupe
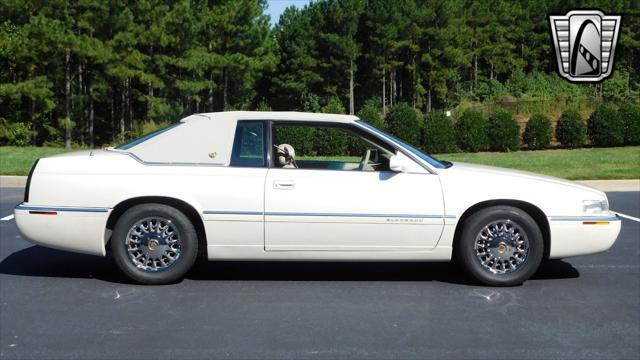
point(302, 186)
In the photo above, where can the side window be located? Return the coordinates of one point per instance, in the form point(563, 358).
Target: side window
point(328, 148)
point(249, 145)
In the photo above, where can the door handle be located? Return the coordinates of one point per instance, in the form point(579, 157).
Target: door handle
point(284, 184)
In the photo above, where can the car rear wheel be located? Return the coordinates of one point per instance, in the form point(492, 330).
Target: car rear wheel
point(154, 244)
point(500, 246)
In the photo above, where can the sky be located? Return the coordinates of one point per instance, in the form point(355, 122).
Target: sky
point(276, 7)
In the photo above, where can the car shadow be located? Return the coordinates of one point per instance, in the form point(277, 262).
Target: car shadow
point(38, 261)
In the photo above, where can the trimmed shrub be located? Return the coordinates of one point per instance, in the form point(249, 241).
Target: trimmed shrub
point(471, 132)
point(606, 127)
point(403, 122)
point(571, 131)
point(311, 103)
point(538, 132)
point(504, 131)
point(630, 114)
point(19, 134)
point(263, 105)
point(4, 128)
point(439, 136)
point(300, 137)
point(371, 114)
point(331, 142)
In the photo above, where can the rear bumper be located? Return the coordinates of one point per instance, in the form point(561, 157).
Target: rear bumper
point(75, 229)
point(574, 236)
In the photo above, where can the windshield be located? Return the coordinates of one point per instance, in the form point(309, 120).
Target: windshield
point(132, 143)
point(430, 159)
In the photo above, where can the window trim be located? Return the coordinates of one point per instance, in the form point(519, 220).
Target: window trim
point(265, 142)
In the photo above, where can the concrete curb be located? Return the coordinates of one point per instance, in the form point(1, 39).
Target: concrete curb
point(612, 185)
point(13, 181)
point(602, 185)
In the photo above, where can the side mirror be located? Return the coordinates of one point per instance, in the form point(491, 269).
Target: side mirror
point(399, 163)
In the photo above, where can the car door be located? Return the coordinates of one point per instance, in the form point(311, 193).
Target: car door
point(351, 210)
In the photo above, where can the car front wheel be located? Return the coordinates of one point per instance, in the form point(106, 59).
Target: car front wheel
point(500, 246)
point(154, 244)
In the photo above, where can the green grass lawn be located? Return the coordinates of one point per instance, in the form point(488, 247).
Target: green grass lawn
point(579, 164)
point(18, 160)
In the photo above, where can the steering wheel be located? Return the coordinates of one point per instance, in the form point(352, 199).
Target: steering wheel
point(365, 160)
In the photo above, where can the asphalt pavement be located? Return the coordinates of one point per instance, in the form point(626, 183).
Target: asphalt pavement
point(55, 304)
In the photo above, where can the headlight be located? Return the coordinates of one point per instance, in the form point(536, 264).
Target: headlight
point(595, 206)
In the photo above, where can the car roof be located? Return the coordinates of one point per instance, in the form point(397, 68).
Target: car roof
point(279, 115)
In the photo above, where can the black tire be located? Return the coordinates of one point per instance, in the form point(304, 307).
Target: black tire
point(188, 246)
point(465, 252)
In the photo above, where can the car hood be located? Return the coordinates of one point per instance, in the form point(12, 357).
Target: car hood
point(465, 168)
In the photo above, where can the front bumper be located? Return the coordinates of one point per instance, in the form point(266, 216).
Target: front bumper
point(77, 229)
point(582, 235)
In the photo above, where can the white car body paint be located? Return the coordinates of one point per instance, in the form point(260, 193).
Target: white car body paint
point(295, 214)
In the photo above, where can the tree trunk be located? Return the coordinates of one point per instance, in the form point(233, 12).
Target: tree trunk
point(429, 98)
point(150, 96)
point(475, 70)
point(414, 96)
point(81, 113)
point(67, 99)
point(91, 118)
point(32, 120)
point(351, 103)
point(491, 74)
point(392, 85)
point(129, 107)
point(224, 89)
point(384, 91)
point(122, 110)
point(113, 117)
point(210, 97)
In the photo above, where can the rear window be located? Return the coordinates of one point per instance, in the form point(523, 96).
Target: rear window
point(132, 143)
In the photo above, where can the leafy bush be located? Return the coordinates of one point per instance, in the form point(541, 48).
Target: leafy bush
point(19, 134)
point(311, 103)
point(4, 128)
point(143, 128)
point(370, 113)
point(439, 136)
point(402, 121)
point(630, 114)
point(263, 105)
point(471, 132)
point(571, 131)
point(331, 141)
point(538, 132)
point(301, 138)
point(503, 131)
point(606, 127)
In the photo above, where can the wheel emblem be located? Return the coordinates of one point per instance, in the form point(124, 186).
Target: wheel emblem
point(502, 247)
point(153, 244)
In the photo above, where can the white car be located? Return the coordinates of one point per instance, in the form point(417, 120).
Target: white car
point(229, 186)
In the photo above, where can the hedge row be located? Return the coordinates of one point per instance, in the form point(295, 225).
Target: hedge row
point(501, 132)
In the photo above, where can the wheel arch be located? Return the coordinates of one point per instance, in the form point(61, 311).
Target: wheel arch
point(532, 210)
point(187, 209)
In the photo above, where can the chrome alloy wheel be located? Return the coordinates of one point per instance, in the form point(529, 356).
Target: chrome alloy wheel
point(153, 244)
point(502, 246)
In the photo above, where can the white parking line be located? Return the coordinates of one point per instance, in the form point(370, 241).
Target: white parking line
point(628, 217)
point(7, 218)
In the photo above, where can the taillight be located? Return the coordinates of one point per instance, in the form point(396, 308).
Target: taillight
point(26, 189)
